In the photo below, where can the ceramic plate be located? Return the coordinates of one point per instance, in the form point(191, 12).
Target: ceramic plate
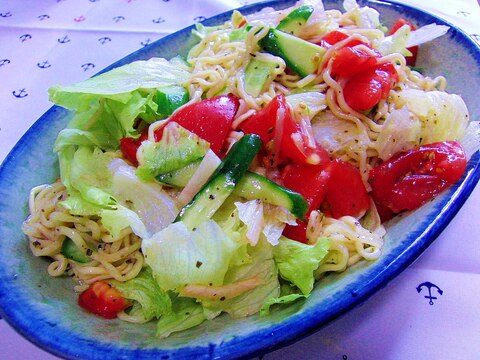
point(44, 310)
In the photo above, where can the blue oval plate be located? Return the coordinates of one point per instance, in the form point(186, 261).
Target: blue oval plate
point(44, 310)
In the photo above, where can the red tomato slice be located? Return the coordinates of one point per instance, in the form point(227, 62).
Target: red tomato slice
point(275, 122)
point(336, 36)
point(297, 233)
point(411, 60)
point(102, 299)
point(308, 180)
point(210, 119)
point(346, 195)
point(349, 61)
point(129, 147)
point(365, 90)
point(408, 180)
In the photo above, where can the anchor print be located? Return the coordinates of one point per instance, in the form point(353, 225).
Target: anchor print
point(25, 37)
point(199, 18)
point(104, 40)
point(80, 18)
point(118, 18)
point(88, 66)
point(476, 37)
point(429, 287)
point(146, 42)
point(43, 17)
point(20, 93)
point(5, 15)
point(464, 13)
point(63, 40)
point(4, 62)
point(158, 20)
point(44, 64)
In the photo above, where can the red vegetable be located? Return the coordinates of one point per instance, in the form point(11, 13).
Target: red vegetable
point(349, 61)
point(102, 299)
point(411, 60)
point(410, 179)
point(336, 36)
point(336, 188)
point(275, 122)
point(210, 119)
point(129, 147)
point(364, 90)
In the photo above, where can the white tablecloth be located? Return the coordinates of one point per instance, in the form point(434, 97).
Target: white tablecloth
point(64, 41)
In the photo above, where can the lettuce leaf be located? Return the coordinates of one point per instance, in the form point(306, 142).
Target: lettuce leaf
point(144, 290)
point(297, 261)
point(179, 257)
point(186, 313)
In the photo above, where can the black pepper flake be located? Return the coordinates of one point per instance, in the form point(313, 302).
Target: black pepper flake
point(211, 197)
point(198, 264)
point(89, 252)
point(36, 243)
point(222, 298)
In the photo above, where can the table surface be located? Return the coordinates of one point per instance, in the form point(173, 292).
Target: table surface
point(396, 323)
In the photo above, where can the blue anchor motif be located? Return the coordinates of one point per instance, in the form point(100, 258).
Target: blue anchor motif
point(464, 13)
point(5, 15)
point(158, 20)
point(4, 62)
point(25, 37)
point(63, 40)
point(43, 17)
point(104, 40)
point(146, 42)
point(88, 66)
point(476, 37)
point(199, 18)
point(429, 287)
point(118, 18)
point(44, 64)
point(20, 93)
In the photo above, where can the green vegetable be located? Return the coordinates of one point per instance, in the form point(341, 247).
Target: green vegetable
point(253, 186)
point(296, 262)
point(187, 313)
point(222, 183)
point(257, 73)
point(177, 148)
point(149, 300)
point(71, 251)
point(169, 99)
point(179, 177)
point(294, 22)
point(301, 56)
point(179, 256)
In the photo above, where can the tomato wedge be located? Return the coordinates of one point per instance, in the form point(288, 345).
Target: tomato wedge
point(102, 299)
point(346, 195)
point(365, 90)
point(275, 122)
point(336, 36)
point(129, 147)
point(349, 61)
point(336, 188)
point(410, 179)
point(411, 60)
point(210, 119)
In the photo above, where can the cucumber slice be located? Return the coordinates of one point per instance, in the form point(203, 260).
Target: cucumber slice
point(294, 22)
point(71, 251)
point(170, 98)
point(181, 176)
point(253, 186)
point(222, 183)
point(301, 56)
point(257, 74)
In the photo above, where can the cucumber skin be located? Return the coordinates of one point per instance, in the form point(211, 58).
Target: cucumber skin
point(253, 186)
point(295, 21)
point(222, 182)
point(71, 251)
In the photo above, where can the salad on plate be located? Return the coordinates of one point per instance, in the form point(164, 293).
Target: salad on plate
point(235, 178)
